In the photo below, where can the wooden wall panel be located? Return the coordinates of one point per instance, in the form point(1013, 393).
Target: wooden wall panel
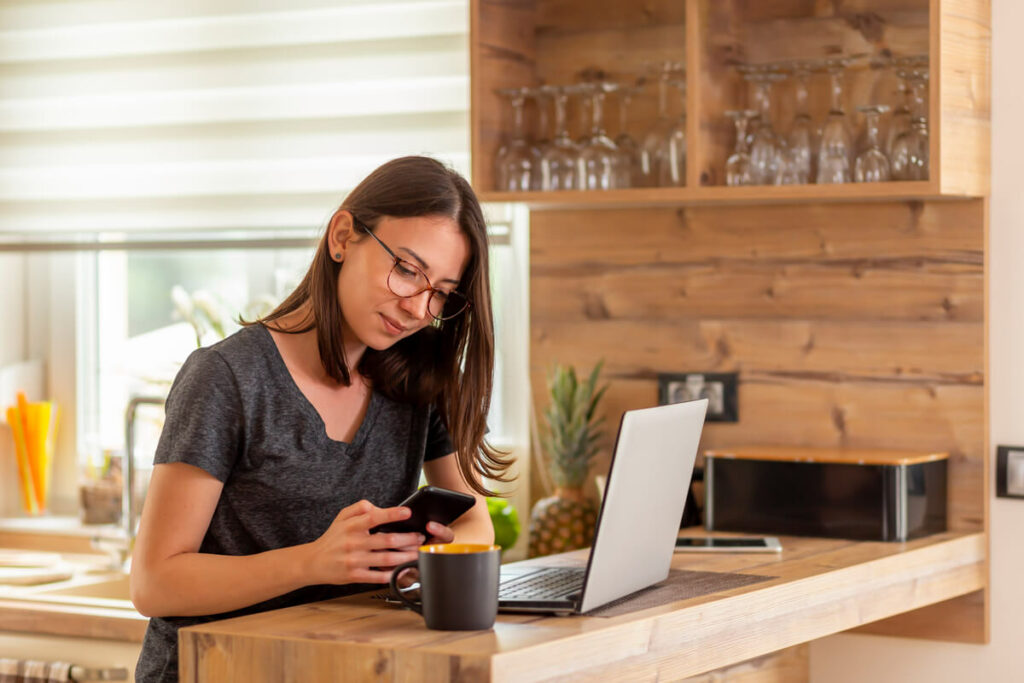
point(849, 327)
point(963, 38)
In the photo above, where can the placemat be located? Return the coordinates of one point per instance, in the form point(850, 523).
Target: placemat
point(681, 584)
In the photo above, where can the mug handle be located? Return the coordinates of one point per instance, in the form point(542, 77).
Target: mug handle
point(393, 584)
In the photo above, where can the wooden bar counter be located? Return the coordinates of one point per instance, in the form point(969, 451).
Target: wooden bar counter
point(821, 587)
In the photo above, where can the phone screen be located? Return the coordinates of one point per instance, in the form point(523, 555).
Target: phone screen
point(721, 542)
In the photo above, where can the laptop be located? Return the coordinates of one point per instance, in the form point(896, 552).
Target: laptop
point(652, 464)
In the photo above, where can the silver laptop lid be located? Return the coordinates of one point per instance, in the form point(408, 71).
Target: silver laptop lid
point(643, 501)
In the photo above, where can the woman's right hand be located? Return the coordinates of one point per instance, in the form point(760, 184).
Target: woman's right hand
point(348, 553)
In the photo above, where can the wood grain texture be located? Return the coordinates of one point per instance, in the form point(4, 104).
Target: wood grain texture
point(525, 42)
point(961, 619)
point(821, 587)
point(791, 665)
point(501, 55)
point(963, 99)
point(852, 327)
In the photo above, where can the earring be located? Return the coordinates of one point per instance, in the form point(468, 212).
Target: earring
point(337, 256)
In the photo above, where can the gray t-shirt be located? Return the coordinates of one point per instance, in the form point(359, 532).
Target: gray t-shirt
point(235, 411)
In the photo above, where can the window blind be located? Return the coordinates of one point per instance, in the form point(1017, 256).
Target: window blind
point(218, 115)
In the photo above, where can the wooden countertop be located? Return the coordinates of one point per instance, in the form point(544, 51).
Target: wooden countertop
point(822, 586)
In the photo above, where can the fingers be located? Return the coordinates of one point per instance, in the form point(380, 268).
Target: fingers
point(409, 541)
point(371, 576)
point(363, 507)
point(378, 516)
point(439, 533)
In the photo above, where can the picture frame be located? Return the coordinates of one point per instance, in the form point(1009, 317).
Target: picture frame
point(720, 388)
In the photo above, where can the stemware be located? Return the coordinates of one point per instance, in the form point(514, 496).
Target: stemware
point(796, 164)
point(558, 161)
point(599, 159)
point(910, 150)
point(834, 149)
point(764, 157)
point(872, 166)
point(514, 161)
point(902, 114)
point(541, 98)
point(737, 167)
point(672, 172)
point(654, 148)
point(629, 150)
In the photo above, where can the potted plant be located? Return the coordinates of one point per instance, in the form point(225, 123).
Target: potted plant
point(565, 520)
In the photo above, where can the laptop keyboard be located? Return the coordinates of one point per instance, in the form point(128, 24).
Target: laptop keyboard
point(551, 582)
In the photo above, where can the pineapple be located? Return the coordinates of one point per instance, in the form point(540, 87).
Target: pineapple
point(566, 520)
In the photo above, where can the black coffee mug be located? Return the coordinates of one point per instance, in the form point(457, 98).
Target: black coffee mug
point(458, 585)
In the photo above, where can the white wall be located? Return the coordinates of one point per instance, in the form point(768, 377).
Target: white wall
point(849, 658)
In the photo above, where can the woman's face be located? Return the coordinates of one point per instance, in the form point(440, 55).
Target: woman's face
point(374, 315)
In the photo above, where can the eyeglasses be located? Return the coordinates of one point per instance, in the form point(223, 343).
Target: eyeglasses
point(406, 280)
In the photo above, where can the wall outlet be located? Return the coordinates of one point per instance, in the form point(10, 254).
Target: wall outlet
point(720, 388)
point(1010, 472)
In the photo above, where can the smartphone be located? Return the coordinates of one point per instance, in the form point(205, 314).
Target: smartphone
point(429, 504)
point(729, 544)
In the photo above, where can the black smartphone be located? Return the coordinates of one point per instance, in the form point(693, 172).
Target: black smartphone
point(429, 504)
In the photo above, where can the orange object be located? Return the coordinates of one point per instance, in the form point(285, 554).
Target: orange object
point(28, 499)
point(40, 414)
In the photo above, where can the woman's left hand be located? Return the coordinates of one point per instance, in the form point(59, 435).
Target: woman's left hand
point(439, 533)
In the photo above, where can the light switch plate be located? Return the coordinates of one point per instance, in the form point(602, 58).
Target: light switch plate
point(1010, 472)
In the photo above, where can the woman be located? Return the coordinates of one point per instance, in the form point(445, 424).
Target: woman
point(287, 442)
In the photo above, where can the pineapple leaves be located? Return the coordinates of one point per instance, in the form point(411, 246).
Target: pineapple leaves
point(574, 431)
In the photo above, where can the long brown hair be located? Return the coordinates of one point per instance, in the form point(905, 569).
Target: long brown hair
point(449, 364)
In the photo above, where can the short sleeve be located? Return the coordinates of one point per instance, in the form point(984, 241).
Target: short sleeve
point(439, 442)
point(203, 423)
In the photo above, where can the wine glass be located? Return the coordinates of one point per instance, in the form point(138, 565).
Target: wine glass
point(910, 150)
point(599, 159)
point(672, 171)
point(654, 148)
point(514, 162)
point(764, 158)
point(796, 165)
point(629, 150)
point(834, 149)
point(872, 166)
point(902, 115)
point(558, 162)
point(542, 141)
point(738, 170)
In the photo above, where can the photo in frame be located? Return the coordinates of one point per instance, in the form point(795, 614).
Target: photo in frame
point(720, 388)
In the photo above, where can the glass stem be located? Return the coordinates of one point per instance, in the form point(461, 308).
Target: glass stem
point(871, 123)
point(765, 91)
point(597, 107)
point(741, 135)
point(663, 98)
point(802, 108)
point(836, 80)
point(920, 104)
point(624, 100)
point(561, 125)
point(517, 118)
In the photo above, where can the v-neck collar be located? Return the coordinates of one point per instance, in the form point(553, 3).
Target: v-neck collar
point(285, 378)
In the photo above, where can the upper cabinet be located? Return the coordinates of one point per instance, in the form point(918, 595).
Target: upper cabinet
point(737, 100)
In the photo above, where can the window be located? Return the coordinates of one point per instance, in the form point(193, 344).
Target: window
point(200, 144)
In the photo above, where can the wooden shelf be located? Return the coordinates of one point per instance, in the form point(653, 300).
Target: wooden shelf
point(515, 43)
point(710, 196)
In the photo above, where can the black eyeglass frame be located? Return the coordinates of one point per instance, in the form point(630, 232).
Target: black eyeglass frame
point(433, 290)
